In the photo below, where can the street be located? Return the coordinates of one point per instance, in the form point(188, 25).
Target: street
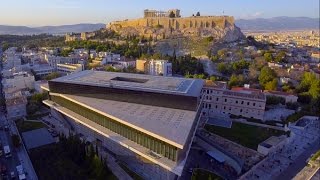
point(299, 163)
point(19, 154)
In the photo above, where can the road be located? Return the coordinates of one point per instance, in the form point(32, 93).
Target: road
point(299, 163)
point(5, 138)
point(19, 154)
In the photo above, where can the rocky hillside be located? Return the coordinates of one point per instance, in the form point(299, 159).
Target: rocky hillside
point(220, 28)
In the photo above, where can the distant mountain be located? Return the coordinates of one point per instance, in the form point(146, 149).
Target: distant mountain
point(24, 30)
point(278, 23)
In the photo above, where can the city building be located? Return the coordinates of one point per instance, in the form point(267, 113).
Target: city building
point(315, 56)
point(16, 107)
point(148, 121)
point(244, 102)
point(289, 98)
point(154, 67)
point(19, 81)
point(126, 63)
point(69, 68)
point(42, 70)
point(272, 144)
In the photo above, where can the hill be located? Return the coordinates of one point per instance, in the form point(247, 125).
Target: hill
point(24, 30)
point(278, 24)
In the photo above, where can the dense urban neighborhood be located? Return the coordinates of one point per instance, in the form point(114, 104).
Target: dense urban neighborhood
point(161, 97)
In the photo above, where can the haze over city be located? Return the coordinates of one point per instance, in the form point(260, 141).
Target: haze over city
point(59, 12)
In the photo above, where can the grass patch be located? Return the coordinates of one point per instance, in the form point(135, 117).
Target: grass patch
point(24, 126)
point(244, 134)
point(201, 174)
point(131, 173)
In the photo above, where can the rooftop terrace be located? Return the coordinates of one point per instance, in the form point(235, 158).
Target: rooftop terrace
point(160, 84)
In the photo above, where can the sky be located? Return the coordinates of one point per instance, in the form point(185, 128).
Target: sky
point(58, 12)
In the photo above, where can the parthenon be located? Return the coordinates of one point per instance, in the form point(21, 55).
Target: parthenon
point(148, 13)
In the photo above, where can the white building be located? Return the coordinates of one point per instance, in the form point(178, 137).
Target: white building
point(243, 102)
point(155, 67)
point(42, 70)
point(69, 68)
point(290, 98)
point(19, 81)
point(272, 144)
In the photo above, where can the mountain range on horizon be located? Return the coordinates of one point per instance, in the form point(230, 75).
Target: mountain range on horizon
point(258, 24)
point(280, 23)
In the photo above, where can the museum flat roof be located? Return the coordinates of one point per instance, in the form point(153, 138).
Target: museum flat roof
point(170, 125)
point(140, 82)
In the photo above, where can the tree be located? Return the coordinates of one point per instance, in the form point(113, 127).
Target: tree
point(214, 58)
point(253, 72)
point(271, 85)
point(275, 100)
point(280, 57)
point(172, 15)
point(198, 13)
point(213, 78)
point(240, 65)
point(236, 80)
point(222, 68)
point(15, 140)
point(5, 46)
point(268, 57)
point(222, 53)
point(266, 75)
point(52, 75)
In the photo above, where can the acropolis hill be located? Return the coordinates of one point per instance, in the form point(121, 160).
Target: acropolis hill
point(160, 24)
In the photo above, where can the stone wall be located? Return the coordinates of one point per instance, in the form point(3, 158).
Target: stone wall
point(175, 23)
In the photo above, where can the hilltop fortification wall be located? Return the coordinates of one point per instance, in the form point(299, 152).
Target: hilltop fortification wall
point(175, 23)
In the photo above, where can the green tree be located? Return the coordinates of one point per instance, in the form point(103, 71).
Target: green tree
point(236, 80)
point(214, 58)
point(52, 75)
point(222, 53)
point(213, 78)
point(222, 68)
point(271, 85)
point(268, 57)
point(266, 75)
point(310, 84)
point(280, 56)
point(5, 46)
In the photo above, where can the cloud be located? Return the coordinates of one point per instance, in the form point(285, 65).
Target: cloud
point(257, 14)
point(251, 16)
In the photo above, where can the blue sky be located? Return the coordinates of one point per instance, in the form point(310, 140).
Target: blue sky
point(57, 12)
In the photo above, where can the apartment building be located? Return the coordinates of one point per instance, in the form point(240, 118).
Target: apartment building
point(18, 81)
point(245, 102)
point(154, 67)
point(16, 106)
point(69, 68)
